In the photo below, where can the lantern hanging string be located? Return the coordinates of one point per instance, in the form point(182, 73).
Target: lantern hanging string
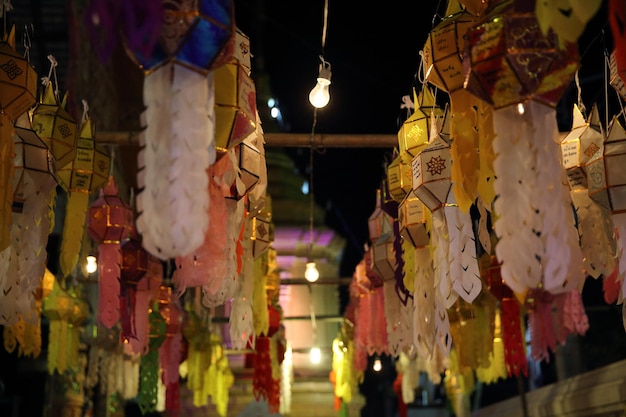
point(325, 26)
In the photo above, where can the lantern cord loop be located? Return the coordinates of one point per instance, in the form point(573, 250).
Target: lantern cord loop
point(581, 105)
point(85, 115)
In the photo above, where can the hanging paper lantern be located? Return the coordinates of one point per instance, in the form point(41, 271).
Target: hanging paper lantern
point(412, 221)
point(508, 59)
point(384, 257)
point(432, 174)
point(194, 34)
point(85, 174)
point(415, 130)
point(378, 222)
point(56, 127)
point(579, 148)
point(607, 179)
point(249, 158)
point(399, 176)
point(235, 105)
point(262, 229)
point(134, 263)
point(32, 156)
point(110, 222)
point(375, 279)
point(18, 79)
point(444, 49)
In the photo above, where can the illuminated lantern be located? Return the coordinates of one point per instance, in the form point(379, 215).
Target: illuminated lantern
point(32, 156)
point(414, 133)
point(399, 176)
point(378, 222)
point(18, 79)
point(87, 172)
point(444, 49)
point(579, 147)
point(508, 59)
point(56, 127)
point(432, 174)
point(110, 222)
point(607, 176)
point(371, 274)
point(195, 34)
point(249, 159)
point(134, 263)
point(412, 221)
point(235, 105)
point(475, 7)
point(383, 254)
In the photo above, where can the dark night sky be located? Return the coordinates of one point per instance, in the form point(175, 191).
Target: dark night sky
point(374, 57)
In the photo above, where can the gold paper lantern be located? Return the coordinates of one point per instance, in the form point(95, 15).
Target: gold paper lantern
point(412, 221)
point(400, 177)
point(18, 80)
point(32, 156)
point(509, 60)
point(579, 147)
point(444, 49)
point(607, 176)
point(55, 127)
point(89, 170)
point(235, 105)
point(414, 133)
point(432, 174)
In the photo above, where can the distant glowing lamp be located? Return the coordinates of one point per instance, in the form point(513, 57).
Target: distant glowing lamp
point(92, 264)
point(311, 273)
point(377, 366)
point(320, 95)
point(315, 355)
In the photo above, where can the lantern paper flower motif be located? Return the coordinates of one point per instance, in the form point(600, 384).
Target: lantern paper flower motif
point(85, 174)
point(195, 39)
point(110, 223)
point(18, 79)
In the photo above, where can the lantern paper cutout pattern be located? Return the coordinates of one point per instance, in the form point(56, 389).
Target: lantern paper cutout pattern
point(180, 124)
point(195, 34)
point(607, 186)
point(149, 366)
point(66, 312)
point(18, 79)
point(508, 60)
point(566, 18)
point(85, 174)
point(110, 223)
point(56, 127)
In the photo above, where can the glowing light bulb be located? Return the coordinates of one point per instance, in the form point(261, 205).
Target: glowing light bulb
point(311, 273)
point(377, 365)
point(92, 264)
point(315, 355)
point(320, 95)
point(520, 108)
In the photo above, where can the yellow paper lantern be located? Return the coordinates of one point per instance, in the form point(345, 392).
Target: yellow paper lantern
point(56, 127)
point(432, 174)
point(444, 49)
point(384, 257)
point(400, 177)
point(89, 170)
point(579, 147)
point(607, 176)
point(509, 60)
point(412, 221)
point(235, 105)
point(32, 156)
point(18, 80)
point(414, 133)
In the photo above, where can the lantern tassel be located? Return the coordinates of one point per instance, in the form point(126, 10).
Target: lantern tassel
point(7, 152)
point(109, 284)
point(424, 303)
point(73, 230)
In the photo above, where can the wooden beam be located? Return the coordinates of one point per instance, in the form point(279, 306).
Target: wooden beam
point(281, 139)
